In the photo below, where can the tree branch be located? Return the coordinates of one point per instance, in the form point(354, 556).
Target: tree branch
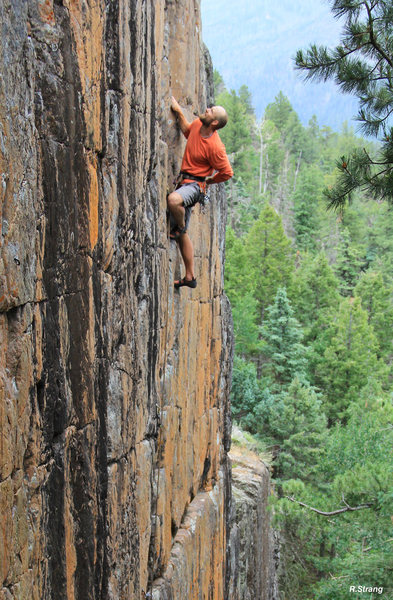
point(330, 62)
point(373, 41)
point(339, 200)
point(373, 69)
point(380, 172)
point(347, 508)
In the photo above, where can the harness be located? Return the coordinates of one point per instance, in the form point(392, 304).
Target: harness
point(186, 175)
point(204, 195)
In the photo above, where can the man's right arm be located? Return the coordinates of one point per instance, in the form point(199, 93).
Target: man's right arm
point(183, 123)
point(220, 163)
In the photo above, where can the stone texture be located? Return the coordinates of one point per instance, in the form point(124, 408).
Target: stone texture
point(253, 544)
point(114, 413)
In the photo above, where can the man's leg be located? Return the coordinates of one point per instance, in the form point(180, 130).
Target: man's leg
point(187, 252)
point(180, 206)
point(176, 208)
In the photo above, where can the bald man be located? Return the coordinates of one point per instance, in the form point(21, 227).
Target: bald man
point(205, 162)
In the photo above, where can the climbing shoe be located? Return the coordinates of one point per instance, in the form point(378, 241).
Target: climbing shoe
point(191, 283)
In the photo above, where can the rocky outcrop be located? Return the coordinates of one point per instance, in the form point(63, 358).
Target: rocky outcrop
point(254, 545)
point(113, 387)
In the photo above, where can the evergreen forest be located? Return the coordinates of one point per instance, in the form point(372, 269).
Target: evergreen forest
point(311, 290)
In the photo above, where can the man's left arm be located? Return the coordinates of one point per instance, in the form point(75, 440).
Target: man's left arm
point(221, 164)
point(183, 123)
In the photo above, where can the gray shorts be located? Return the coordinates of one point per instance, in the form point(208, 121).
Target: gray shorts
point(190, 194)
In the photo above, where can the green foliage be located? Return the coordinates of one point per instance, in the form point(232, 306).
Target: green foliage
point(246, 100)
point(326, 349)
point(284, 353)
point(269, 257)
point(350, 358)
point(362, 64)
point(348, 263)
point(355, 468)
point(237, 276)
point(293, 135)
point(306, 197)
point(245, 317)
point(365, 439)
point(274, 153)
point(245, 394)
point(380, 241)
point(314, 294)
point(279, 112)
point(297, 423)
point(239, 286)
point(218, 83)
point(377, 300)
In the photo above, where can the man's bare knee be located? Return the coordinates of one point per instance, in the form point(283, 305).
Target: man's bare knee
point(174, 200)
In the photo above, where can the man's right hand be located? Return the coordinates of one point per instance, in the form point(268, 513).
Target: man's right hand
point(175, 106)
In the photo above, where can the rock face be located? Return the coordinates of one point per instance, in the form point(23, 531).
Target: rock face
point(114, 410)
point(253, 543)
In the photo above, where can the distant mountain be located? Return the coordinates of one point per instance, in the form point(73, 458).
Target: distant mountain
point(254, 42)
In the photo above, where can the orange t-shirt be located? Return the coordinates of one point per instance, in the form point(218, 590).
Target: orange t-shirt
point(202, 155)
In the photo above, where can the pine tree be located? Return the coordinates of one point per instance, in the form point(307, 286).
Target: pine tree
point(294, 136)
point(377, 300)
point(246, 99)
point(314, 295)
point(306, 196)
point(239, 287)
point(245, 328)
point(315, 298)
point(350, 358)
point(245, 391)
point(279, 111)
point(218, 83)
point(273, 156)
point(284, 353)
point(348, 263)
point(362, 64)
point(269, 256)
point(297, 423)
point(237, 271)
point(282, 114)
point(380, 241)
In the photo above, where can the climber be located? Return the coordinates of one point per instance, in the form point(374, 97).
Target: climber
point(204, 154)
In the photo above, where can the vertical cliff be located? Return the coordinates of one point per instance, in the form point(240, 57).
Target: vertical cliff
point(113, 399)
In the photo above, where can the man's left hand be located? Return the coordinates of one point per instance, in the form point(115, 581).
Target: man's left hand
point(175, 106)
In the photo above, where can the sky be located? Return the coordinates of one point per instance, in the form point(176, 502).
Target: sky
point(254, 43)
